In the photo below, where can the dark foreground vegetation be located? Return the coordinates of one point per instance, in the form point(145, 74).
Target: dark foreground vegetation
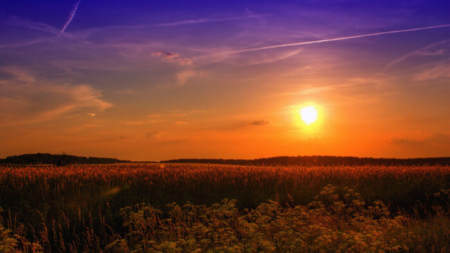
point(213, 208)
point(58, 160)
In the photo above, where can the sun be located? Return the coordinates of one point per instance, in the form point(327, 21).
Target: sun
point(309, 114)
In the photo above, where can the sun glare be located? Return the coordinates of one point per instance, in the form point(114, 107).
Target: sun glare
point(309, 114)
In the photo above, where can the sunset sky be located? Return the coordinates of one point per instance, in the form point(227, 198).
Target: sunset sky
point(155, 80)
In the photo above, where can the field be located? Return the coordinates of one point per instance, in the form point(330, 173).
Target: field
point(212, 208)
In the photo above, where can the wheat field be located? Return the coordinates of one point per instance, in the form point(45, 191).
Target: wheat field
point(222, 208)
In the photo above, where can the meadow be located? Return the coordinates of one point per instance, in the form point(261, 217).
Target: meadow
point(224, 208)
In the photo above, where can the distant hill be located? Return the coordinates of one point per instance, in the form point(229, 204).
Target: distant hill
point(58, 160)
point(320, 160)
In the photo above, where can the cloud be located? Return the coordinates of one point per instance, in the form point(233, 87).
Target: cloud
point(26, 99)
point(261, 122)
point(185, 75)
point(32, 25)
point(431, 52)
point(150, 119)
point(208, 20)
point(303, 43)
point(24, 44)
point(434, 139)
point(324, 88)
point(438, 71)
point(191, 112)
point(19, 74)
point(169, 57)
point(353, 84)
point(79, 128)
point(162, 138)
point(140, 122)
point(265, 58)
point(154, 115)
point(126, 137)
point(70, 18)
point(428, 50)
point(154, 134)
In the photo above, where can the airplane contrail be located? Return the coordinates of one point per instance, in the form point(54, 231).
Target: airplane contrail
point(71, 16)
point(338, 39)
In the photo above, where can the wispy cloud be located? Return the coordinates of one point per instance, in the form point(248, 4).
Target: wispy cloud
point(170, 57)
point(424, 51)
point(433, 139)
point(185, 75)
point(140, 122)
point(153, 134)
point(260, 122)
point(438, 71)
point(191, 112)
point(181, 123)
point(150, 119)
point(164, 138)
point(432, 53)
point(32, 25)
point(337, 39)
point(154, 115)
point(24, 44)
point(313, 90)
point(19, 74)
point(321, 89)
point(70, 18)
point(208, 20)
point(27, 99)
point(269, 57)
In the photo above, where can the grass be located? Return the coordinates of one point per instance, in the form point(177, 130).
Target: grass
point(101, 208)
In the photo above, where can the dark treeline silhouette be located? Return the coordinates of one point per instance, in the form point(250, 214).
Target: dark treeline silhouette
point(63, 159)
point(58, 160)
point(320, 160)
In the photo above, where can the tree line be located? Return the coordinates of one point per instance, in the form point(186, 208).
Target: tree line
point(321, 160)
point(64, 159)
point(58, 160)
